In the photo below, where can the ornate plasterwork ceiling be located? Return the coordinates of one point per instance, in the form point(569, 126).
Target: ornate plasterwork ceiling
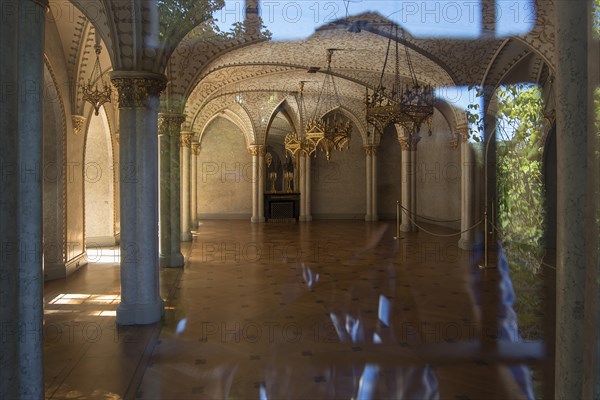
point(360, 60)
point(202, 69)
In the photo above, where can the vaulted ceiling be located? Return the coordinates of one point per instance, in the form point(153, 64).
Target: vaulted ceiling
point(251, 78)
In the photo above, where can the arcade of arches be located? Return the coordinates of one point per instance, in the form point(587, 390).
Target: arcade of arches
point(136, 231)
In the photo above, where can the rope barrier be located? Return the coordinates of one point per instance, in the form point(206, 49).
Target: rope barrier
point(430, 219)
point(445, 235)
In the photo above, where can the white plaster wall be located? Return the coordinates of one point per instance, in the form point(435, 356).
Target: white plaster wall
point(339, 186)
point(98, 183)
point(224, 173)
point(388, 174)
point(438, 175)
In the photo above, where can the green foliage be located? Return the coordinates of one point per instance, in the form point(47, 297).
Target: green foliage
point(520, 183)
point(181, 16)
point(178, 17)
point(473, 118)
point(238, 30)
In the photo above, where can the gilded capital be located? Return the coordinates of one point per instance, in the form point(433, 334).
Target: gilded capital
point(454, 141)
point(136, 89)
point(195, 148)
point(462, 133)
point(170, 124)
point(409, 142)
point(371, 150)
point(186, 139)
point(256, 150)
point(78, 123)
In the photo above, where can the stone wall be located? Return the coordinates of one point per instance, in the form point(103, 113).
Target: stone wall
point(224, 173)
point(338, 186)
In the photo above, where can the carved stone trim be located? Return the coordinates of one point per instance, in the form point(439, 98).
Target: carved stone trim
point(256, 150)
point(370, 150)
point(186, 139)
point(454, 141)
point(136, 89)
point(462, 134)
point(409, 142)
point(170, 124)
point(196, 148)
point(78, 123)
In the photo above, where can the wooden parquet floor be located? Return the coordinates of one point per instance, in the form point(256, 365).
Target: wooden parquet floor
point(327, 309)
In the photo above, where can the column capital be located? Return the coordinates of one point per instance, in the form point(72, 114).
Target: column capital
point(78, 123)
point(256, 149)
point(169, 124)
point(409, 142)
point(455, 138)
point(186, 139)
point(463, 133)
point(370, 150)
point(195, 148)
point(135, 88)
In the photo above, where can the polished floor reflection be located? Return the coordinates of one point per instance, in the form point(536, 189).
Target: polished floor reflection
point(330, 309)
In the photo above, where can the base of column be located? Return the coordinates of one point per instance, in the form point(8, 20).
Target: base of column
point(308, 218)
point(186, 236)
point(171, 261)
point(466, 244)
point(368, 218)
point(194, 223)
point(256, 220)
point(140, 314)
point(405, 228)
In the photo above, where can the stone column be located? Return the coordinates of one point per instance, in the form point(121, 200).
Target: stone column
point(138, 124)
point(572, 21)
point(413, 180)
point(591, 362)
point(261, 183)
point(308, 189)
point(186, 147)
point(164, 186)
point(369, 188)
point(21, 265)
point(405, 197)
point(257, 189)
point(302, 188)
point(194, 185)
point(409, 181)
point(169, 126)
point(374, 211)
point(175, 190)
point(371, 172)
point(467, 199)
